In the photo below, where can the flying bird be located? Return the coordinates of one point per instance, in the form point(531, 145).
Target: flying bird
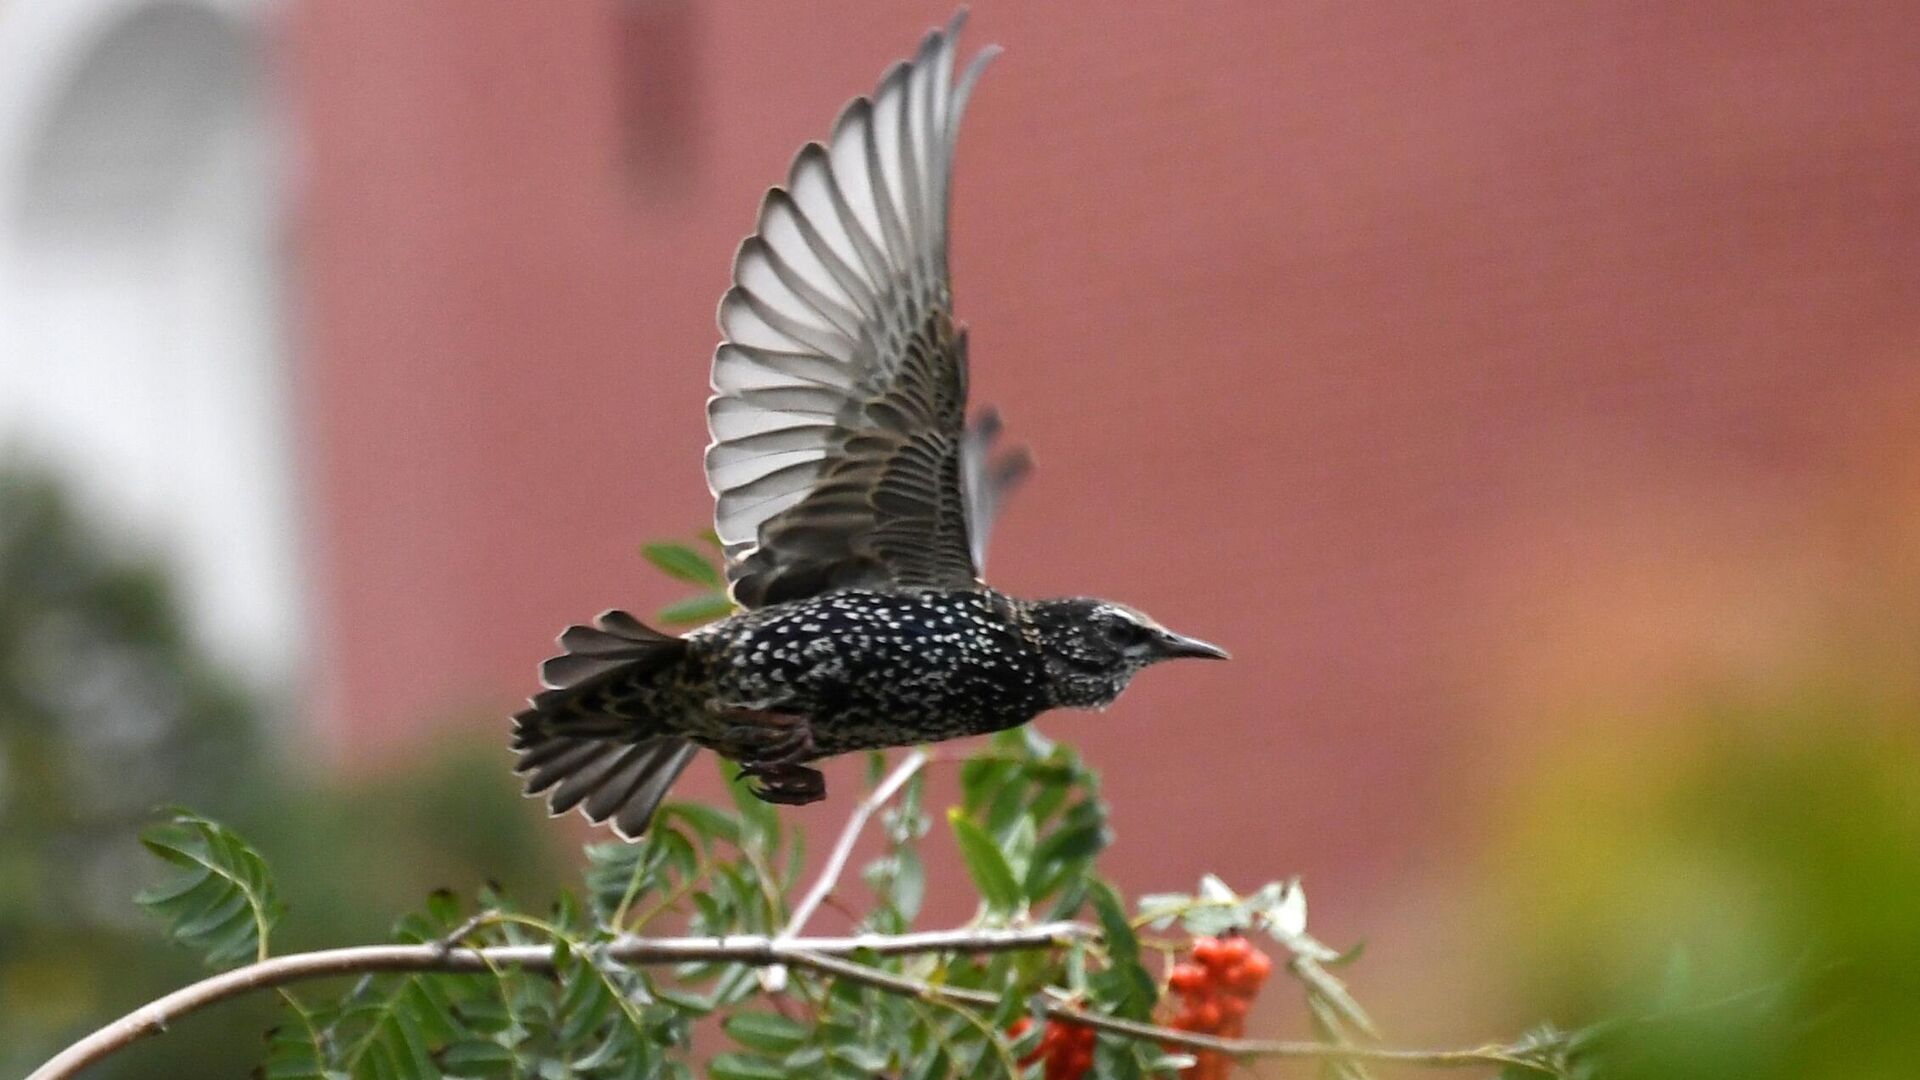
point(853, 503)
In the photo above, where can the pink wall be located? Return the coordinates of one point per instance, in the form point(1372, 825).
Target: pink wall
point(1363, 339)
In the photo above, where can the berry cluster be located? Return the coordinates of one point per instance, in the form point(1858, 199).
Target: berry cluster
point(1215, 988)
point(1067, 1048)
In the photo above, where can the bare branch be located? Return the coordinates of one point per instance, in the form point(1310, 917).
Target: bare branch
point(824, 955)
point(154, 1017)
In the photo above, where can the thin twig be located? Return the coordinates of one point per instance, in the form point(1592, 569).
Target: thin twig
point(1246, 1048)
point(774, 979)
point(459, 933)
point(674, 896)
point(824, 955)
point(843, 847)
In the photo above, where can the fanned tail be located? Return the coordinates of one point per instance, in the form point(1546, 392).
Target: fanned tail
point(587, 741)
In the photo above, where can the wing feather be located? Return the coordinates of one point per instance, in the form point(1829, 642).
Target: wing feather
point(839, 455)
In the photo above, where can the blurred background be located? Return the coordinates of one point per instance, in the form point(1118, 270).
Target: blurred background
point(1526, 394)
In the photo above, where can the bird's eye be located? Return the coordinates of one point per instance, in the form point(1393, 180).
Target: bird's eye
point(1126, 632)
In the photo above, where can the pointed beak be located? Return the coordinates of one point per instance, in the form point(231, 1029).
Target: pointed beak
point(1179, 645)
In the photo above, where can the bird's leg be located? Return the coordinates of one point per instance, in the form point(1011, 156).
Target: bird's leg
point(765, 741)
point(770, 747)
point(791, 785)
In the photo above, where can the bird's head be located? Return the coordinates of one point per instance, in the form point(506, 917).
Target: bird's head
point(1093, 648)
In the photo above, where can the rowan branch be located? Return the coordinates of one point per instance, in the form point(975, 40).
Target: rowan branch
point(823, 955)
point(154, 1017)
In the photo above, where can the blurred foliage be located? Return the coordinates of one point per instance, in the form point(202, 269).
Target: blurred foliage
point(109, 709)
point(1746, 875)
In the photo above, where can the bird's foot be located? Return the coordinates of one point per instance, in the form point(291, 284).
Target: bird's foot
point(770, 747)
point(790, 785)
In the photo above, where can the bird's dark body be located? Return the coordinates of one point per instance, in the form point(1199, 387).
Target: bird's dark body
point(872, 670)
point(866, 670)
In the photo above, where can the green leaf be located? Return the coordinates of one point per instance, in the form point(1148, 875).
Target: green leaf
point(696, 609)
point(585, 1002)
point(1116, 1060)
point(443, 907)
point(1125, 983)
point(405, 1044)
point(863, 1059)
point(1017, 847)
point(1123, 946)
point(909, 883)
point(769, 1032)
point(1083, 835)
point(293, 1048)
point(695, 1004)
point(933, 1066)
point(683, 563)
point(796, 862)
point(1072, 895)
point(477, 1057)
point(706, 822)
point(222, 902)
point(981, 779)
point(1067, 852)
point(745, 1067)
point(737, 983)
point(399, 1026)
point(676, 850)
point(1008, 805)
point(620, 1044)
point(985, 864)
point(617, 871)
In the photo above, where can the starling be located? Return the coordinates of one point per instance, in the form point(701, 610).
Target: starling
point(853, 503)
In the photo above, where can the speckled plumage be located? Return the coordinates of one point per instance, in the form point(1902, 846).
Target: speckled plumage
point(872, 670)
point(852, 501)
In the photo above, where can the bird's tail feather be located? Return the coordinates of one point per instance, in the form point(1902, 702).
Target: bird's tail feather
point(585, 740)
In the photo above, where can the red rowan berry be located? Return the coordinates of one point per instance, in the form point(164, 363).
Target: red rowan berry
point(1259, 966)
point(1187, 978)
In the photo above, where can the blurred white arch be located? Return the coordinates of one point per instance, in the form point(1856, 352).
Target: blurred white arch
point(141, 333)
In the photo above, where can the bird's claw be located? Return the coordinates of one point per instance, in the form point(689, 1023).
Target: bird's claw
point(770, 747)
point(792, 785)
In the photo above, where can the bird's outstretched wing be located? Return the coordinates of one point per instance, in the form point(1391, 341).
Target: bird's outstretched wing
point(839, 457)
